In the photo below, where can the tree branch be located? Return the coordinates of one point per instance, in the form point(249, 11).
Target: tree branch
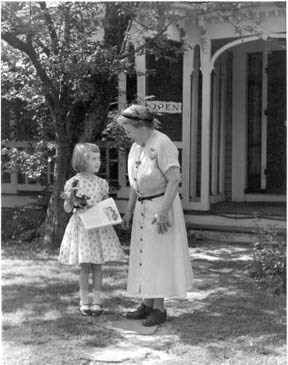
point(141, 47)
point(51, 28)
point(27, 48)
point(45, 49)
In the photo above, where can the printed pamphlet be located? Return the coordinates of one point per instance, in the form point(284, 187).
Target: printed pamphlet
point(102, 214)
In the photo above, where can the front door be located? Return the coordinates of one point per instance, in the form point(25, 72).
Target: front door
point(276, 123)
point(266, 113)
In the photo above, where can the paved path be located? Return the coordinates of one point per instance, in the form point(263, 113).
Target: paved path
point(149, 346)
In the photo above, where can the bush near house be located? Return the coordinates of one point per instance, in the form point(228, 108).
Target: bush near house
point(268, 268)
point(269, 261)
point(21, 224)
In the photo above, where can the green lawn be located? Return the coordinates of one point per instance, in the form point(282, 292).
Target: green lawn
point(225, 320)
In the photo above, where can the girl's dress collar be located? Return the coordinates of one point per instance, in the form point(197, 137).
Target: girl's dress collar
point(86, 174)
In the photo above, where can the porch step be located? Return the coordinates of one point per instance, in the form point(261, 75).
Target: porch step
point(226, 233)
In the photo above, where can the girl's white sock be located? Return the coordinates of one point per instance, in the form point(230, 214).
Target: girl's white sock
point(96, 297)
point(83, 297)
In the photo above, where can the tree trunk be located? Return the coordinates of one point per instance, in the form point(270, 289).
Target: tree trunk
point(96, 117)
point(94, 123)
point(57, 218)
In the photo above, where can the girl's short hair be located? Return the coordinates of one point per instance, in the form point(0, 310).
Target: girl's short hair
point(138, 116)
point(80, 154)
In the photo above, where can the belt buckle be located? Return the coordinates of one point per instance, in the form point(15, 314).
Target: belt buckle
point(140, 198)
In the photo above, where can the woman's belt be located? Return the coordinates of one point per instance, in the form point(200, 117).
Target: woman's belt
point(141, 198)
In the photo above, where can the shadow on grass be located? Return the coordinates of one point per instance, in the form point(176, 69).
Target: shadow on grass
point(225, 304)
point(53, 311)
point(226, 317)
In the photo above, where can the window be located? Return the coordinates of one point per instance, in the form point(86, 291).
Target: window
point(131, 79)
point(164, 81)
point(109, 166)
point(5, 176)
point(17, 181)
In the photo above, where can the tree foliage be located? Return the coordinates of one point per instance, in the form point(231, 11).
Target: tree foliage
point(61, 60)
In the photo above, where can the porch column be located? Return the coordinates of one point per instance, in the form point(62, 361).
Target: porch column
point(215, 131)
point(140, 64)
point(122, 92)
point(186, 117)
point(239, 131)
point(194, 122)
point(205, 133)
point(222, 125)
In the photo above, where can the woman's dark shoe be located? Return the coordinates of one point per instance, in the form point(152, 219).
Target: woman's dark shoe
point(140, 313)
point(156, 317)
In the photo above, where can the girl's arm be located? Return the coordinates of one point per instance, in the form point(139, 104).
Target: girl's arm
point(173, 177)
point(130, 209)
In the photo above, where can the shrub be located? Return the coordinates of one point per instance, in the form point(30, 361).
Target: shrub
point(21, 224)
point(269, 261)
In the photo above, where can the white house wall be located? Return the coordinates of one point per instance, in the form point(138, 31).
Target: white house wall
point(273, 19)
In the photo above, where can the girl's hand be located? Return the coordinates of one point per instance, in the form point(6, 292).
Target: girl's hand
point(162, 221)
point(127, 220)
point(68, 201)
point(66, 195)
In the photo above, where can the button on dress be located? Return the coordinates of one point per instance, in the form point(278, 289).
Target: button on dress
point(159, 264)
point(96, 245)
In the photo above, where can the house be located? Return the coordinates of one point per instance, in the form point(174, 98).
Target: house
point(224, 106)
point(223, 103)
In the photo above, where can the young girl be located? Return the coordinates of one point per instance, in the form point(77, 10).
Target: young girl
point(89, 249)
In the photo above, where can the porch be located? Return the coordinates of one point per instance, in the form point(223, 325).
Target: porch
point(236, 221)
point(225, 221)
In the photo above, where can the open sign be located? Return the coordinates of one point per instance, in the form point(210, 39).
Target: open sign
point(164, 106)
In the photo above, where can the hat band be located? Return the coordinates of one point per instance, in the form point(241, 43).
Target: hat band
point(136, 118)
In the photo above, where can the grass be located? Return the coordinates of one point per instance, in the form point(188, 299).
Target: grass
point(225, 320)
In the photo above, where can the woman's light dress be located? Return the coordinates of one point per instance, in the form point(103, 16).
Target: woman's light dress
point(159, 264)
point(96, 245)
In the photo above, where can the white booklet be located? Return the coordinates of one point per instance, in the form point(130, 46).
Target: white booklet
point(102, 214)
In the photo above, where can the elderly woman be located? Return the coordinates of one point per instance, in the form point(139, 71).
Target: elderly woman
point(159, 265)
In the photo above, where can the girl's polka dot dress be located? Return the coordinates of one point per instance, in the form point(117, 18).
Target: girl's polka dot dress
point(95, 246)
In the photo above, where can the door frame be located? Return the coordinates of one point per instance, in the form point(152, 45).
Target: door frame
point(239, 122)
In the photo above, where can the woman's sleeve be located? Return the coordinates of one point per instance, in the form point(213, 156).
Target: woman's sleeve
point(167, 155)
point(130, 166)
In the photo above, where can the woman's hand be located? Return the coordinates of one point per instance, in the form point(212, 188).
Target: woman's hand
point(161, 218)
point(162, 221)
point(127, 220)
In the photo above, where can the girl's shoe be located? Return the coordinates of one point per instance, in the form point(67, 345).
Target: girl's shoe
point(85, 310)
point(96, 310)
